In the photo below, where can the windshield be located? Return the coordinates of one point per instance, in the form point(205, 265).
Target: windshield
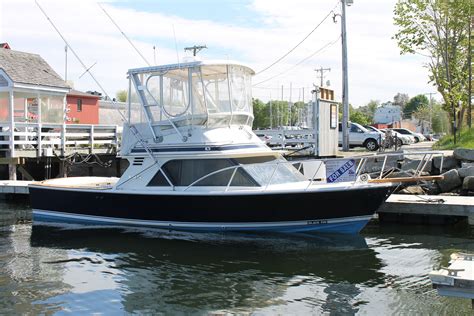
point(211, 95)
point(270, 170)
point(403, 131)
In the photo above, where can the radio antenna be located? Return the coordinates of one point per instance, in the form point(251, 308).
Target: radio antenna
point(175, 44)
point(124, 35)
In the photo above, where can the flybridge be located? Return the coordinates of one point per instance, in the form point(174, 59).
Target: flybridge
point(191, 94)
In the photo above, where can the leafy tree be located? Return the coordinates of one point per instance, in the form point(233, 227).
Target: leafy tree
point(260, 116)
point(298, 112)
point(279, 113)
point(414, 104)
point(401, 99)
point(359, 117)
point(122, 95)
point(368, 110)
point(437, 29)
point(439, 119)
point(435, 114)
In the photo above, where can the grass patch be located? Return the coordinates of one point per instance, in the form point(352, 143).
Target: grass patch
point(465, 140)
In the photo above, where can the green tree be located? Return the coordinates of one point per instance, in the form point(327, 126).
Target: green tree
point(298, 112)
point(436, 115)
point(414, 104)
point(279, 113)
point(359, 117)
point(437, 29)
point(439, 118)
point(370, 108)
point(121, 95)
point(261, 119)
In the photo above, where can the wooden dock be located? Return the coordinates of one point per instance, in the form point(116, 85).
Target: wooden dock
point(428, 205)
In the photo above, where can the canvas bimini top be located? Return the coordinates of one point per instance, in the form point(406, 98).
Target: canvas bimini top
point(197, 93)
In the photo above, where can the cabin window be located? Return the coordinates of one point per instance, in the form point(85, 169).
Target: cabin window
point(79, 105)
point(270, 170)
point(186, 171)
point(158, 180)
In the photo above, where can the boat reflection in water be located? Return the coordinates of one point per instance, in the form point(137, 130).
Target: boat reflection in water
point(116, 270)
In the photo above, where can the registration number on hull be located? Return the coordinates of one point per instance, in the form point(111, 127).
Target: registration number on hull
point(321, 221)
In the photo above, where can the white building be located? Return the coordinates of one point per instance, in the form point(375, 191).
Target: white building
point(388, 113)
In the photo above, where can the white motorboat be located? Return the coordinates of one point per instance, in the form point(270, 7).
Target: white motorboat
point(195, 164)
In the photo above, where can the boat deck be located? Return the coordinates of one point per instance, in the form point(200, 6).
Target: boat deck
point(97, 183)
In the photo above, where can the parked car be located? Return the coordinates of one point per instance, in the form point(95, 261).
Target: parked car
point(373, 129)
point(359, 136)
point(402, 139)
point(418, 137)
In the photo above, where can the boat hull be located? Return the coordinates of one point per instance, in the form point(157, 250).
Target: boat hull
point(341, 211)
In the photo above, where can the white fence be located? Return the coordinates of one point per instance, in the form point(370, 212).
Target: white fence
point(36, 140)
point(282, 138)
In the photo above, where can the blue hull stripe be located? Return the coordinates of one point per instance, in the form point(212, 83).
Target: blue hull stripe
point(341, 225)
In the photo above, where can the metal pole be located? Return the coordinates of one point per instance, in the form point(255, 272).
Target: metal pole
point(315, 120)
point(345, 83)
point(322, 76)
point(321, 70)
point(289, 106)
point(271, 112)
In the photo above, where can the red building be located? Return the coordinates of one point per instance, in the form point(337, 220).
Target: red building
point(82, 108)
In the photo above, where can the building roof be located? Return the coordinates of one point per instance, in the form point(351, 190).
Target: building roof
point(29, 69)
point(5, 45)
point(78, 93)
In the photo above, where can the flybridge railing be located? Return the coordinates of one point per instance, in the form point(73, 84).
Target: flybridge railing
point(381, 171)
point(48, 139)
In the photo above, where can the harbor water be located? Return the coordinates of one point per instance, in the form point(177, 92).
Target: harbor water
point(46, 269)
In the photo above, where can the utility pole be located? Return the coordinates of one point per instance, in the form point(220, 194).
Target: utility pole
point(289, 105)
point(345, 81)
point(321, 70)
point(271, 112)
point(195, 49)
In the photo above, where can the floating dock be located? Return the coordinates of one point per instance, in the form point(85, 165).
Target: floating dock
point(457, 280)
point(14, 187)
point(405, 205)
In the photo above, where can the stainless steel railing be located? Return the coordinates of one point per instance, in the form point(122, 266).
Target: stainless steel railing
point(426, 156)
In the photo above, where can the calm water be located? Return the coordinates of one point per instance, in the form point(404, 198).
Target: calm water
point(77, 269)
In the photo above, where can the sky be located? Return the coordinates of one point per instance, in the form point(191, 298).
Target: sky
point(254, 32)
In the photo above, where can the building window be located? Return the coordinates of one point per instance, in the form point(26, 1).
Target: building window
point(79, 105)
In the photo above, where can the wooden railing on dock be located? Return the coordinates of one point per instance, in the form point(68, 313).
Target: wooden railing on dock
point(37, 140)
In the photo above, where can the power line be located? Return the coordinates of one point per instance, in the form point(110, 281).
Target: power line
point(304, 39)
point(301, 61)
